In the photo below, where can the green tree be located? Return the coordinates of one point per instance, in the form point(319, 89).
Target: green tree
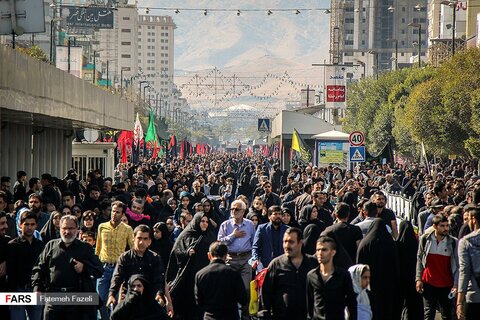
point(36, 52)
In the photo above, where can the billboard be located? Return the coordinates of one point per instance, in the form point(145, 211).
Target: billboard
point(329, 152)
point(88, 17)
point(29, 17)
point(76, 60)
point(336, 90)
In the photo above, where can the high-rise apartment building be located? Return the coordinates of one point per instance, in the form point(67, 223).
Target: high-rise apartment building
point(380, 34)
point(117, 48)
point(155, 52)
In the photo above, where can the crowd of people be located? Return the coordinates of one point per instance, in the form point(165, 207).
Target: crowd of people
point(184, 238)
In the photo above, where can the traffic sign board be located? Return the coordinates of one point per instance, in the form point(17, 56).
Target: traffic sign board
point(264, 125)
point(356, 138)
point(357, 154)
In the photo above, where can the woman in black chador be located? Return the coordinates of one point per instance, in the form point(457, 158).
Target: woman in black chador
point(189, 255)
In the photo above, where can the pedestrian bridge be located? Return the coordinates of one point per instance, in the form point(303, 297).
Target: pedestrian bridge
point(40, 106)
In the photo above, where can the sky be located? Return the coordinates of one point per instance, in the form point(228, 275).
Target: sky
point(224, 39)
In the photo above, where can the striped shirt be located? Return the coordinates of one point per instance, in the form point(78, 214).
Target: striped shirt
point(112, 242)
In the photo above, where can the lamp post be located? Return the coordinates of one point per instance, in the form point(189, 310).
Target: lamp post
point(95, 64)
point(452, 4)
point(396, 52)
point(140, 88)
point(144, 96)
point(68, 54)
point(121, 78)
point(375, 62)
point(419, 26)
point(363, 64)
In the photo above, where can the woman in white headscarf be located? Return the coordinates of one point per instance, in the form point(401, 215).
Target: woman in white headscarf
point(361, 285)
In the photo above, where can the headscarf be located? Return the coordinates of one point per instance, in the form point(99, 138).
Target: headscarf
point(49, 232)
point(356, 272)
point(305, 218)
point(212, 213)
point(162, 246)
point(189, 238)
point(148, 292)
point(139, 306)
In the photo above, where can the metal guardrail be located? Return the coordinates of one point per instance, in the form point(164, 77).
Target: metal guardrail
point(401, 205)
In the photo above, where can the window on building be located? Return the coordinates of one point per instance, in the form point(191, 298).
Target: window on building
point(402, 54)
point(126, 18)
point(153, 40)
point(126, 56)
point(126, 43)
point(349, 20)
point(126, 30)
point(348, 42)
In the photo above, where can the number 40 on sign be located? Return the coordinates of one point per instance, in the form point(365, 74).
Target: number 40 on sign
point(356, 138)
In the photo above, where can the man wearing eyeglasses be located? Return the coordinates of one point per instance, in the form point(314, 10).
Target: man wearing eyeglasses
point(238, 233)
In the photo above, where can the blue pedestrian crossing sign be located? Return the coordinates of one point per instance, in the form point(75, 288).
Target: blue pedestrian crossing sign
point(264, 125)
point(357, 154)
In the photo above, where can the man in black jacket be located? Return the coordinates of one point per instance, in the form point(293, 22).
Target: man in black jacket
point(216, 299)
point(22, 253)
point(140, 260)
point(67, 265)
point(284, 287)
point(329, 289)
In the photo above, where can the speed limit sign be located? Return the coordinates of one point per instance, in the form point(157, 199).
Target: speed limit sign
point(356, 138)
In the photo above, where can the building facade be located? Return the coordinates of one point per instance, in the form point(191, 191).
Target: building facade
point(382, 34)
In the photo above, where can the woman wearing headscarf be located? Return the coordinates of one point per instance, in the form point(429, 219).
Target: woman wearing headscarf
point(87, 223)
point(258, 207)
point(139, 302)
point(211, 212)
point(188, 256)
point(407, 246)
point(184, 205)
point(289, 219)
point(161, 243)
point(51, 230)
point(360, 274)
point(379, 252)
point(309, 215)
point(254, 217)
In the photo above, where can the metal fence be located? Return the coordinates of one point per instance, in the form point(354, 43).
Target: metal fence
point(401, 205)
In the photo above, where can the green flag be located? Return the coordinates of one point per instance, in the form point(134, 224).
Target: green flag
point(151, 132)
point(151, 136)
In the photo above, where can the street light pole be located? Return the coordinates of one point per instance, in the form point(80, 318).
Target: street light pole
point(419, 26)
point(144, 96)
point(107, 74)
point(454, 27)
point(68, 55)
point(452, 4)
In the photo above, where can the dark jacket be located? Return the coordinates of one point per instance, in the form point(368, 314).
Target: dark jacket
point(262, 248)
point(327, 300)
point(284, 287)
point(218, 289)
point(137, 306)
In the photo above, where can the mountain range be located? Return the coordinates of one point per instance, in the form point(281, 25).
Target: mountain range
point(251, 44)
